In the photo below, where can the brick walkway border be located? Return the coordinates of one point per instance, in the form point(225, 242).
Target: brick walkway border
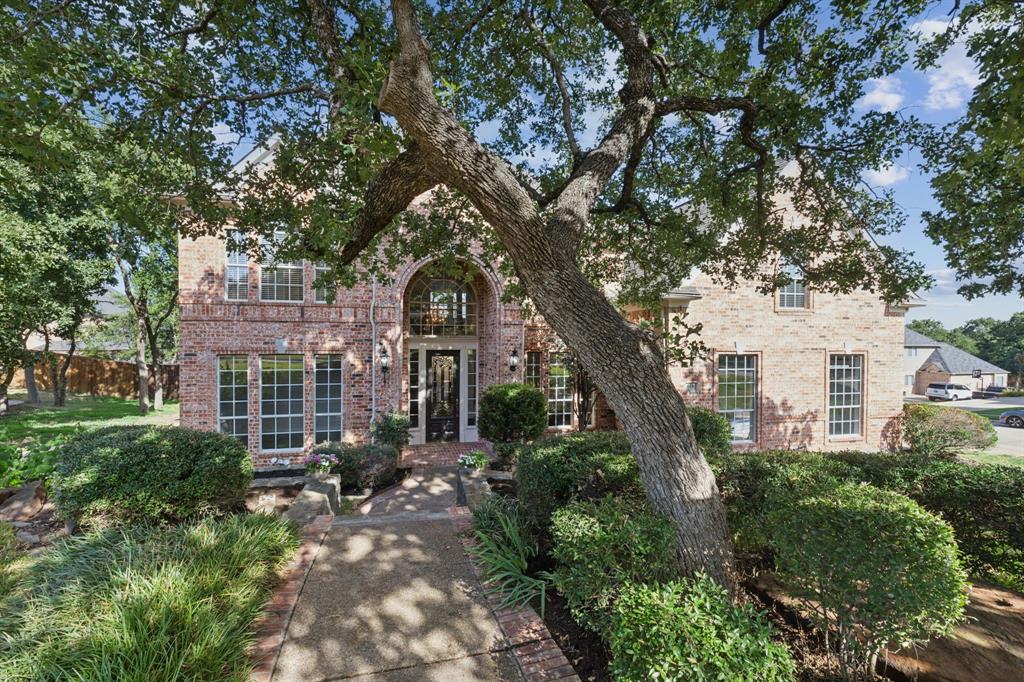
point(271, 626)
point(537, 653)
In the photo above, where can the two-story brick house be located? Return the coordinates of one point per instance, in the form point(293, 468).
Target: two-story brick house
point(266, 357)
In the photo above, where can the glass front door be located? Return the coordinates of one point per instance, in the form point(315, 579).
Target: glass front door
point(442, 395)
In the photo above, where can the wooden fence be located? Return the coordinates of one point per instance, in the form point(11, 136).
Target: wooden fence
point(111, 378)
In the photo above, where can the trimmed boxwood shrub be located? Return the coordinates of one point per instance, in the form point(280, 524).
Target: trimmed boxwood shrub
point(557, 469)
point(711, 430)
point(362, 466)
point(128, 474)
point(875, 567)
point(691, 630)
point(601, 546)
point(391, 429)
point(945, 431)
point(511, 413)
point(983, 503)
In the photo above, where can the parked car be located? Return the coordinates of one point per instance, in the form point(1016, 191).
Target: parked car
point(1014, 418)
point(948, 392)
point(989, 392)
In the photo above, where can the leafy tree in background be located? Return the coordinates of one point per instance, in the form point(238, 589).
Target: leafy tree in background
point(566, 138)
point(55, 262)
point(1000, 342)
point(978, 161)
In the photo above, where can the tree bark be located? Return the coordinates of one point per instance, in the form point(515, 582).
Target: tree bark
point(60, 383)
point(30, 382)
point(626, 364)
point(141, 368)
point(5, 383)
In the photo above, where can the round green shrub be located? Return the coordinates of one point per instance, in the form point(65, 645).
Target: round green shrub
point(879, 569)
point(690, 630)
point(940, 431)
point(602, 545)
point(711, 431)
point(132, 474)
point(512, 413)
point(362, 467)
point(553, 471)
point(391, 430)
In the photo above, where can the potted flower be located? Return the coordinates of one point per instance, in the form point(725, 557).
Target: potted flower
point(319, 464)
point(474, 460)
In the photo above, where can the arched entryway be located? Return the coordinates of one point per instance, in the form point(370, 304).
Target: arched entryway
point(448, 328)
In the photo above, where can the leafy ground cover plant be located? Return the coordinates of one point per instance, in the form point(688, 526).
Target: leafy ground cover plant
point(504, 549)
point(691, 630)
point(940, 431)
point(127, 474)
point(31, 459)
point(147, 603)
point(873, 566)
point(603, 545)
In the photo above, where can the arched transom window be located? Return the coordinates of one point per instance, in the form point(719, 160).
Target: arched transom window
point(441, 307)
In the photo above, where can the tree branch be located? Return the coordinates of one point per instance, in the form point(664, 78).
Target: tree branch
point(405, 178)
point(563, 90)
point(766, 22)
point(327, 37)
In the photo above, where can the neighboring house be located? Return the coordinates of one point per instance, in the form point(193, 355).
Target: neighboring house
point(265, 357)
point(917, 348)
point(949, 364)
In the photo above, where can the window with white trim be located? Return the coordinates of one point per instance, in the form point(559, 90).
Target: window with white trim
point(794, 294)
point(280, 280)
point(233, 396)
point(559, 391)
point(414, 388)
point(328, 415)
point(908, 379)
point(845, 394)
point(320, 294)
point(236, 267)
point(531, 374)
point(281, 403)
point(737, 394)
point(471, 387)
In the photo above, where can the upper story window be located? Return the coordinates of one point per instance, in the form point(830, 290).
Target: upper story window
point(441, 307)
point(321, 294)
point(794, 294)
point(280, 280)
point(236, 267)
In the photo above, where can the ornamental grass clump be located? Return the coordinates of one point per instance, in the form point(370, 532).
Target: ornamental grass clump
point(145, 603)
point(503, 551)
point(874, 569)
point(690, 630)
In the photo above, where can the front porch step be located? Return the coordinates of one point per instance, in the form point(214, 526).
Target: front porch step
point(439, 454)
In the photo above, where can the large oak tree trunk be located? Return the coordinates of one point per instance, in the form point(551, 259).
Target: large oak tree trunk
point(30, 382)
point(542, 242)
point(156, 368)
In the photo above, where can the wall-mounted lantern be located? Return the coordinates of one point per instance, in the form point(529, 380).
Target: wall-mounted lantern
point(385, 360)
point(513, 361)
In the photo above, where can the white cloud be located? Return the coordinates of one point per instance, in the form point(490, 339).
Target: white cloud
point(886, 175)
point(954, 76)
point(886, 94)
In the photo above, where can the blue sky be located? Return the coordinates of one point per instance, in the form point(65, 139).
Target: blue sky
point(936, 96)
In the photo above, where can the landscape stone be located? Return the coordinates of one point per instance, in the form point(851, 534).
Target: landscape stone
point(24, 503)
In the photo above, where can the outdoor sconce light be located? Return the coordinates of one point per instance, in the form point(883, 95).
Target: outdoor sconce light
point(385, 360)
point(513, 361)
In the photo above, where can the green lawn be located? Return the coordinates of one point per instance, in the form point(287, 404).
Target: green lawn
point(46, 421)
point(1005, 460)
point(993, 413)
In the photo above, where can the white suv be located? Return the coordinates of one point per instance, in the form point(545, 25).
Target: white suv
point(948, 392)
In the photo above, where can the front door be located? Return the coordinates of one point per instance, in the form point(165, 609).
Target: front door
point(442, 395)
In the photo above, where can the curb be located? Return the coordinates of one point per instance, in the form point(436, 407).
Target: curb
point(537, 654)
point(277, 614)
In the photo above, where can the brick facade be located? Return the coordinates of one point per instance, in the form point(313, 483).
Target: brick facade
point(792, 348)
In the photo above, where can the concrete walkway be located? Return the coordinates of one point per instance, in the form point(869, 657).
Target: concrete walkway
point(392, 596)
